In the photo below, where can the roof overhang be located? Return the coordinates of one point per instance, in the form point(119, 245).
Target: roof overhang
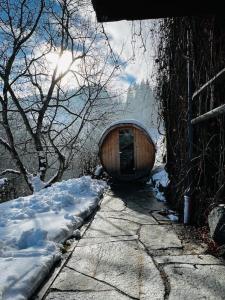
point(116, 10)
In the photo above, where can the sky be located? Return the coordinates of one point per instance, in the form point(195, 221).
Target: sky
point(135, 49)
point(132, 40)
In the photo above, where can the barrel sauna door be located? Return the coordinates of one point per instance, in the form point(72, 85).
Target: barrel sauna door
point(126, 151)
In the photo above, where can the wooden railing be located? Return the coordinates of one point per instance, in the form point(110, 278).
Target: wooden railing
point(213, 112)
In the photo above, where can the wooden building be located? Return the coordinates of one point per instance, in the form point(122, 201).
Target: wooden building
point(127, 151)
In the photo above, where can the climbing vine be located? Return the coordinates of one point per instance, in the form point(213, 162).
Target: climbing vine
point(207, 43)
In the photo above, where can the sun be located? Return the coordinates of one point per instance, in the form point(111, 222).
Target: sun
point(63, 62)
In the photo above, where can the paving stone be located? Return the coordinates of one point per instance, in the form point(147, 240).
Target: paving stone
point(166, 251)
point(129, 215)
point(102, 295)
point(160, 218)
point(146, 204)
point(159, 237)
point(151, 284)
point(196, 282)
point(106, 239)
point(189, 259)
point(121, 265)
point(69, 280)
point(110, 203)
point(103, 226)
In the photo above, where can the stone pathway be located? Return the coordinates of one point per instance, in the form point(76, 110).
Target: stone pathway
point(130, 251)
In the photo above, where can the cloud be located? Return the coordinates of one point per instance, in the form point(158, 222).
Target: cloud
point(133, 42)
point(128, 78)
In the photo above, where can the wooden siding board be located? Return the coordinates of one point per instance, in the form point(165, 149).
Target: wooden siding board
point(110, 152)
point(144, 153)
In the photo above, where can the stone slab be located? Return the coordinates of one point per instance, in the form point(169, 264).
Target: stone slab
point(189, 259)
point(160, 218)
point(156, 237)
point(141, 203)
point(122, 266)
point(110, 203)
point(137, 200)
point(151, 283)
point(101, 295)
point(70, 280)
point(196, 282)
point(141, 218)
point(103, 226)
point(106, 239)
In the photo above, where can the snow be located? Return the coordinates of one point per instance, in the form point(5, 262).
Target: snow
point(10, 171)
point(3, 141)
point(160, 181)
point(128, 121)
point(173, 217)
point(98, 170)
point(169, 214)
point(3, 181)
point(161, 178)
point(36, 182)
point(33, 228)
point(160, 148)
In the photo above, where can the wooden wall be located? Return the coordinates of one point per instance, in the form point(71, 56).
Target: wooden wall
point(110, 152)
point(144, 153)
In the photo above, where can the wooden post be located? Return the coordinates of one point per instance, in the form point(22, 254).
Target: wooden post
point(188, 191)
point(210, 114)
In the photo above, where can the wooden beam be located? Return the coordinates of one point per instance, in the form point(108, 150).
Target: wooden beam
point(209, 115)
point(218, 75)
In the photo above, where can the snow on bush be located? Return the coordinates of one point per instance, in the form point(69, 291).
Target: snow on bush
point(159, 177)
point(160, 150)
point(32, 228)
point(98, 170)
point(160, 181)
point(36, 182)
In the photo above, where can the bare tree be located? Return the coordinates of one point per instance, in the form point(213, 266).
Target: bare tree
point(55, 75)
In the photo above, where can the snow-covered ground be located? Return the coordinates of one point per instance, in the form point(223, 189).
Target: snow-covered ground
point(32, 229)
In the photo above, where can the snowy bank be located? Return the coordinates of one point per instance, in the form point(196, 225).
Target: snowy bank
point(32, 228)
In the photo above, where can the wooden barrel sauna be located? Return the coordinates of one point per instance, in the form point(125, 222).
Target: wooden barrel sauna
point(127, 151)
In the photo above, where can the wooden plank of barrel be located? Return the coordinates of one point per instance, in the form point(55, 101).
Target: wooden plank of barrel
point(127, 151)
